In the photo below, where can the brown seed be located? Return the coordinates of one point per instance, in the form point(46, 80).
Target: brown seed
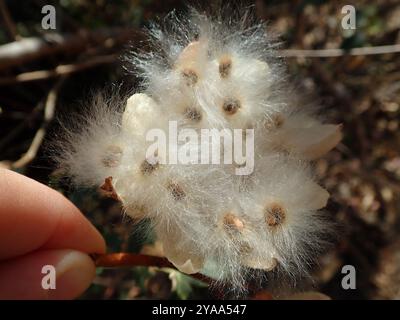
point(147, 168)
point(112, 156)
point(232, 223)
point(231, 106)
point(274, 214)
point(176, 191)
point(278, 120)
point(190, 76)
point(225, 66)
point(193, 114)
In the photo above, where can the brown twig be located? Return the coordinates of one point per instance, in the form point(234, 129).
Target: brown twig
point(29, 49)
point(114, 260)
point(122, 259)
point(61, 70)
point(21, 127)
point(330, 53)
point(9, 23)
point(49, 109)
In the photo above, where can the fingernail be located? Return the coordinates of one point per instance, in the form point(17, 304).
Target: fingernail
point(74, 273)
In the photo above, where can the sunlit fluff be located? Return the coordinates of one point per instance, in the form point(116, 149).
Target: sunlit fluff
point(209, 73)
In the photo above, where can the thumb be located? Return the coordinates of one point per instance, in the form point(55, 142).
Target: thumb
point(71, 272)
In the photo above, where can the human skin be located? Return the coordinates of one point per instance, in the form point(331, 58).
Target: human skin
point(38, 227)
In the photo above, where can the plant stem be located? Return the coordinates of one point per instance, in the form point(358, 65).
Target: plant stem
point(122, 259)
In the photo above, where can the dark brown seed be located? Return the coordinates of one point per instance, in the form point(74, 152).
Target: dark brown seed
point(275, 122)
point(274, 214)
point(231, 106)
point(112, 156)
point(147, 168)
point(193, 114)
point(176, 191)
point(225, 66)
point(190, 76)
point(278, 120)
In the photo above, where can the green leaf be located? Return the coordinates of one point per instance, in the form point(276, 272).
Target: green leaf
point(183, 285)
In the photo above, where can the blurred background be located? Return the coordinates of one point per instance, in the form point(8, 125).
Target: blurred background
point(45, 74)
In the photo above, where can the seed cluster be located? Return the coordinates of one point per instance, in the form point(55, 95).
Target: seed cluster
point(208, 218)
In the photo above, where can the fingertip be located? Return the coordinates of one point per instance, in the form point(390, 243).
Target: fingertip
point(47, 274)
point(34, 216)
point(75, 272)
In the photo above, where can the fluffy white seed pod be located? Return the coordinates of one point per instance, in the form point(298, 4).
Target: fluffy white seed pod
point(207, 73)
point(284, 201)
point(91, 146)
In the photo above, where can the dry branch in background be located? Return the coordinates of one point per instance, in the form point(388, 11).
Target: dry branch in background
point(328, 53)
point(29, 49)
point(8, 21)
point(60, 70)
point(49, 109)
